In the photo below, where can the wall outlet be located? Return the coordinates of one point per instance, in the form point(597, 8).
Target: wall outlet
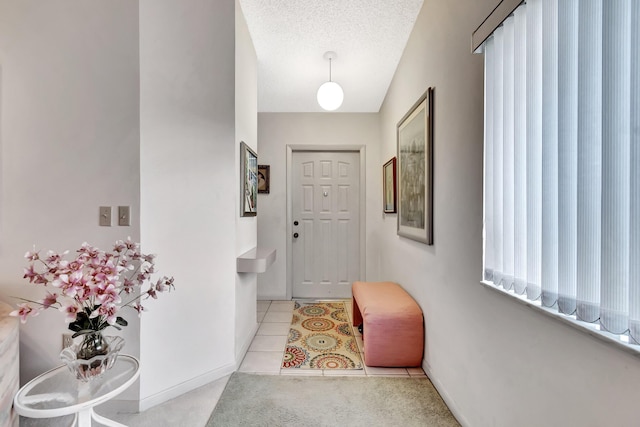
point(67, 341)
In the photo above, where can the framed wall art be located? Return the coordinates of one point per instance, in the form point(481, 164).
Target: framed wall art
point(248, 181)
point(415, 171)
point(263, 179)
point(389, 186)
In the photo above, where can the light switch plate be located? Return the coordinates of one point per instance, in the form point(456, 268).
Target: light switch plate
point(105, 216)
point(124, 215)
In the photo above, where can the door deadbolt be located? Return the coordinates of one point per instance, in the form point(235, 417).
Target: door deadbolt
point(295, 235)
point(295, 222)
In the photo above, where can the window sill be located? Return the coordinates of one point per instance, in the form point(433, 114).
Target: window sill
point(619, 341)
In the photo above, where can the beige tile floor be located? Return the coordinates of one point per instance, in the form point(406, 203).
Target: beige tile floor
point(267, 348)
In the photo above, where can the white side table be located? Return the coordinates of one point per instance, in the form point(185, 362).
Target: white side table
point(57, 393)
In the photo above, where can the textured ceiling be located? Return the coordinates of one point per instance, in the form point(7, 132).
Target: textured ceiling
point(291, 37)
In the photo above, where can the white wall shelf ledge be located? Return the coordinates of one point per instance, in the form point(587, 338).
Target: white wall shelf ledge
point(257, 260)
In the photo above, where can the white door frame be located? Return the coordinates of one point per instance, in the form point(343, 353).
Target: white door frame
point(361, 149)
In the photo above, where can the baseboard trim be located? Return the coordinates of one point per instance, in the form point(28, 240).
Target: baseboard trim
point(273, 298)
point(245, 346)
point(451, 404)
point(185, 387)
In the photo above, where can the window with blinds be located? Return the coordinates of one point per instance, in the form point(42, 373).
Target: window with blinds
point(562, 159)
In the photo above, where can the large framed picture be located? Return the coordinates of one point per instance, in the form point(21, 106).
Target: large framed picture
point(248, 181)
point(415, 171)
point(263, 178)
point(389, 186)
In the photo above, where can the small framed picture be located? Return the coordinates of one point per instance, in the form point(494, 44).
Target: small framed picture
point(263, 179)
point(249, 181)
point(389, 186)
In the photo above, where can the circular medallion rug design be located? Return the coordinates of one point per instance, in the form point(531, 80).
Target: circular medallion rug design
point(340, 316)
point(332, 361)
point(294, 357)
point(344, 329)
point(314, 310)
point(294, 335)
point(321, 342)
point(318, 324)
point(321, 337)
point(352, 346)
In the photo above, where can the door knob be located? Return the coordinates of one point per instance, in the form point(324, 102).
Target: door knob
point(295, 235)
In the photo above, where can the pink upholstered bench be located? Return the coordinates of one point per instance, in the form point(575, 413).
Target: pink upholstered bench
point(393, 325)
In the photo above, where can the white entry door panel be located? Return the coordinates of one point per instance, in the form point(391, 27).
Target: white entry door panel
point(326, 208)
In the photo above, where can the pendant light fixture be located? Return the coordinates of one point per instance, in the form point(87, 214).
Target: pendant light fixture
point(330, 94)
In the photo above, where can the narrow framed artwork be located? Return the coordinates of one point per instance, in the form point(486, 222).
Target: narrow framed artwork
point(248, 181)
point(415, 171)
point(263, 178)
point(389, 186)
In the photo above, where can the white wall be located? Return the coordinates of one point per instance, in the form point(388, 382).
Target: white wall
point(246, 227)
point(496, 362)
point(69, 131)
point(277, 131)
point(131, 103)
point(188, 190)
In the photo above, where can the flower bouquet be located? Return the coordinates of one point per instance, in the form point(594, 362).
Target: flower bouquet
point(91, 289)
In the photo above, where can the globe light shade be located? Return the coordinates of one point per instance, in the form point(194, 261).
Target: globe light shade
point(330, 96)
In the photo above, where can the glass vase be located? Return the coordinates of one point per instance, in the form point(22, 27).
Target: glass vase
point(93, 356)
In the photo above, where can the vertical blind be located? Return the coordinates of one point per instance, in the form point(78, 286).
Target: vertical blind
point(562, 159)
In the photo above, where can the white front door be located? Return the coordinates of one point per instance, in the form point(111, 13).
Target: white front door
point(326, 223)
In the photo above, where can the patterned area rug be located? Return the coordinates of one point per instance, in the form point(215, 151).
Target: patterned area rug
point(321, 337)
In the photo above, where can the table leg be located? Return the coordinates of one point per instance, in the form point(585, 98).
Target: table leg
point(105, 421)
point(83, 418)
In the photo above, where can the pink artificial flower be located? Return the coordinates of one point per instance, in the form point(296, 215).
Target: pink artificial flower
point(149, 258)
point(70, 311)
point(128, 285)
point(152, 293)
point(119, 247)
point(32, 256)
point(30, 273)
point(142, 277)
point(139, 308)
point(88, 252)
point(108, 311)
point(77, 278)
point(75, 265)
point(130, 244)
point(78, 282)
point(164, 284)
point(53, 257)
point(49, 300)
point(106, 293)
point(160, 285)
point(41, 280)
point(62, 282)
point(109, 268)
point(124, 264)
point(24, 310)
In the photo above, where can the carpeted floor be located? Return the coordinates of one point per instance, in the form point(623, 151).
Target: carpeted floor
point(270, 400)
point(321, 337)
